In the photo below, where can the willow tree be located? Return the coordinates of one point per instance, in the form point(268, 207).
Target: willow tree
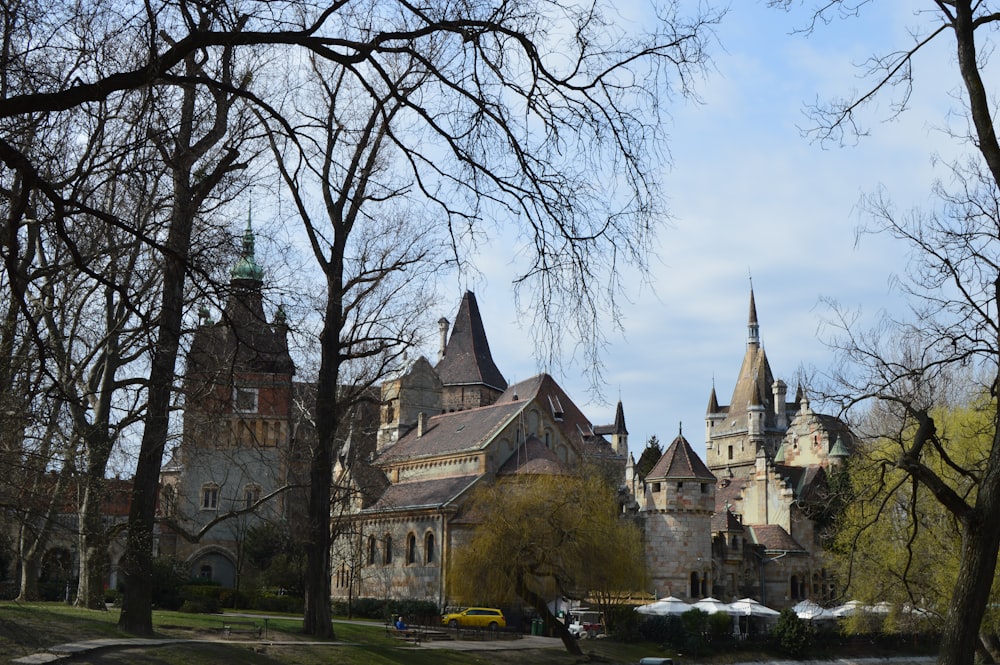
point(539, 538)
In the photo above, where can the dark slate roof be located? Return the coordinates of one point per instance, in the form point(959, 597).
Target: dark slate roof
point(807, 482)
point(618, 427)
point(533, 458)
point(543, 389)
point(727, 492)
point(243, 341)
point(467, 359)
point(725, 520)
point(422, 494)
point(679, 461)
point(454, 432)
point(774, 538)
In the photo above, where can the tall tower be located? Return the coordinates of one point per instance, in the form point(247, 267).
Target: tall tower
point(468, 374)
point(753, 419)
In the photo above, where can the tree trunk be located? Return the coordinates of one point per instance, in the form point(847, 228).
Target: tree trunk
point(968, 602)
point(93, 551)
point(571, 643)
point(29, 577)
point(137, 562)
point(317, 619)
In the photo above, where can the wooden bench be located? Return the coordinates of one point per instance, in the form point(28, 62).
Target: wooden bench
point(410, 634)
point(244, 627)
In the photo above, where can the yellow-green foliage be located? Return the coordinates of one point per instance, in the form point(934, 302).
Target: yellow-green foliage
point(547, 535)
point(895, 541)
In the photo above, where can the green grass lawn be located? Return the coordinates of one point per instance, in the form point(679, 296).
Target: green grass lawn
point(27, 628)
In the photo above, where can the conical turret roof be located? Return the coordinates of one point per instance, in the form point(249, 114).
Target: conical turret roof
point(467, 359)
point(680, 462)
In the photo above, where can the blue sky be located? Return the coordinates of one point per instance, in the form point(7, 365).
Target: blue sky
point(749, 194)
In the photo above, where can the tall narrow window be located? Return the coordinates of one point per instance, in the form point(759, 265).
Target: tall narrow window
point(429, 547)
point(251, 495)
point(371, 550)
point(209, 496)
point(411, 549)
point(387, 555)
point(169, 501)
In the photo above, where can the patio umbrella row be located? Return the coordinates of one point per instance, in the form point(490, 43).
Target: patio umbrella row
point(807, 609)
point(671, 605)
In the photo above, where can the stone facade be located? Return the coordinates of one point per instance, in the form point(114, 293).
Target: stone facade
point(735, 526)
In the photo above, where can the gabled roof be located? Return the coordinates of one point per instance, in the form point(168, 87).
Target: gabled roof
point(454, 432)
point(680, 462)
point(422, 494)
point(533, 458)
point(725, 520)
point(619, 425)
point(774, 538)
point(807, 482)
point(549, 395)
point(467, 359)
point(727, 492)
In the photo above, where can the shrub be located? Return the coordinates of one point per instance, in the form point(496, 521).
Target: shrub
point(665, 630)
point(199, 606)
point(790, 635)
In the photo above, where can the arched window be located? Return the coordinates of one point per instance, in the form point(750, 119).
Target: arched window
point(209, 496)
point(429, 547)
point(695, 586)
point(371, 550)
point(411, 549)
point(251, 495)
point(794, 587)
point(387, 555)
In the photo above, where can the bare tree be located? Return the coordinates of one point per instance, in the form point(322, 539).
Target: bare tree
point(954, 280)
point(532, 113)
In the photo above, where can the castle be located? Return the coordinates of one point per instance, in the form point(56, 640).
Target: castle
point(739, 524)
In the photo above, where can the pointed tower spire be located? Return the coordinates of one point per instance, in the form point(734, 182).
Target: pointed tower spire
point(467, 371)
point(753, 328)
point(246, 267)
point(620, 419)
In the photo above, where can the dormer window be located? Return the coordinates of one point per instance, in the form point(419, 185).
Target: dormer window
point(245, 400)
point(557, 409)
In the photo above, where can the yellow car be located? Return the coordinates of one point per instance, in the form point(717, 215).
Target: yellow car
point(475, 617)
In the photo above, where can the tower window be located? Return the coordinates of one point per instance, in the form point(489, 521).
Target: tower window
point(245, 400)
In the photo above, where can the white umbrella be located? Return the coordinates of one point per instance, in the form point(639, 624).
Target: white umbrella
point(750, 607)
point(812, 611)
point(664, 606)
point(849, 608)
point(711, 605)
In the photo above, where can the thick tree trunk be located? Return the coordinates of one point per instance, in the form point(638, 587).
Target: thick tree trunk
point(562, 631)
point(968, 602)
point(317, 619)
point(137, 563)
point(93, 550)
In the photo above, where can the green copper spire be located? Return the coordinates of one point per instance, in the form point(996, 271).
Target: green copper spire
point(246, 266)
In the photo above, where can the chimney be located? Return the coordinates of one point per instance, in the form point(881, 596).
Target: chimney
point(421, 423)
point(443, 331)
